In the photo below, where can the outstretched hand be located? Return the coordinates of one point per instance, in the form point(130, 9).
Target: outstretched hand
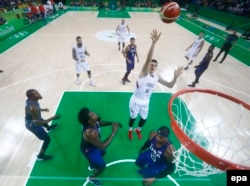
point(117, 124)
point(178, 71)
point(155, 36)
point(115, 127)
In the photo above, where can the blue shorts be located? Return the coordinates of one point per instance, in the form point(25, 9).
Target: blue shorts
point(39, 131)
point(95, 157)
point(130, 66)
point(151, 170)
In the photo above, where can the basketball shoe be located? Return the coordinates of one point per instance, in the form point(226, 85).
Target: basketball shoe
point(95, 181)
point(52, 127)
point(130, 134)
point(42, 157)
point(77, 81)
point(191, 85)
point(91, 83)
point(123, 81)
point(139, 135)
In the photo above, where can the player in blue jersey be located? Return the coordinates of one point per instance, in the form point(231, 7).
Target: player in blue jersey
point(129, 53)
point(203, 65)
point(91, 145)
point(156, 157)
point(36, 124)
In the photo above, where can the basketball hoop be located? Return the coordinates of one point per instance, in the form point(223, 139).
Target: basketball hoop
point(213, 129)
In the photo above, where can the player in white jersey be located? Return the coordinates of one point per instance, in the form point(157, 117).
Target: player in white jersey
point(121, 31)
point(194, 49)
point(139, 101)
point(79, 53)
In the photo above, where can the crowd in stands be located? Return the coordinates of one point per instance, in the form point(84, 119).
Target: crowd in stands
point(240, 7)
point(32, 10)
point(9, 5)
point(150, 4)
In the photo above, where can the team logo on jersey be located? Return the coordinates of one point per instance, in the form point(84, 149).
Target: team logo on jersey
point(111, 36)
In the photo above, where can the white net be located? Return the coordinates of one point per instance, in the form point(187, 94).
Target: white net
point(217, 125)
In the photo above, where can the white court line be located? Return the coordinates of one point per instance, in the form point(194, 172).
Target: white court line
point(130, 161)
point(101, 73)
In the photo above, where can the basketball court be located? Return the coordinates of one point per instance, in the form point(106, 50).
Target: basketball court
point(43, 61)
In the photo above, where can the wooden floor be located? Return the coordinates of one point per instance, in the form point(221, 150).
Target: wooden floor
point(43, 61)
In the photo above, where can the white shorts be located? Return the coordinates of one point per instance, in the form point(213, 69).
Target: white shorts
point(191, 53)
point(80, 66)
point(122, 37)
point(137, 106)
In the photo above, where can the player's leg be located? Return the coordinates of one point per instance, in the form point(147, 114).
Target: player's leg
point(125, 77)
point(88, 70)
point(189, 56)
point(79, 69)
point(130, 67)
point(133, 112)
point(198, 74)
point(41, 134)
point(143, 119)
point(123, 45)
point(46, 141)
point(119, 42)
point(226, 51)
point(96, 161)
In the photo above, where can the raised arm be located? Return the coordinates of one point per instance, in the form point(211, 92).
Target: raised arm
point(147, 143)
point(169, 153)
point(92, 137)
point(154, 37)
point(170, 84)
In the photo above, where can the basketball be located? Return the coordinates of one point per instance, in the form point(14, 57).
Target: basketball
point(170, 12)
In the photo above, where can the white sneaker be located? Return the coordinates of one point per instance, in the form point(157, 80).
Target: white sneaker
point(77, 82)
point(91, 83)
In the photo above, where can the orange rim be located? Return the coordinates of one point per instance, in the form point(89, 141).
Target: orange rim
point(195, 148)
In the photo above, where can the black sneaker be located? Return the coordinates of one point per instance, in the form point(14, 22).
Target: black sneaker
point(1, 71)
point(186, 68)
point(52, 127)
point(214, 60)
point(95, 182)
point(191, 85)
point(42, 157)
point(127, 80)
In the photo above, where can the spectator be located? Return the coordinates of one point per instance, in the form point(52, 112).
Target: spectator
point(60, 6)
point(228, 44)
point(42, 11)
point(2, 20)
